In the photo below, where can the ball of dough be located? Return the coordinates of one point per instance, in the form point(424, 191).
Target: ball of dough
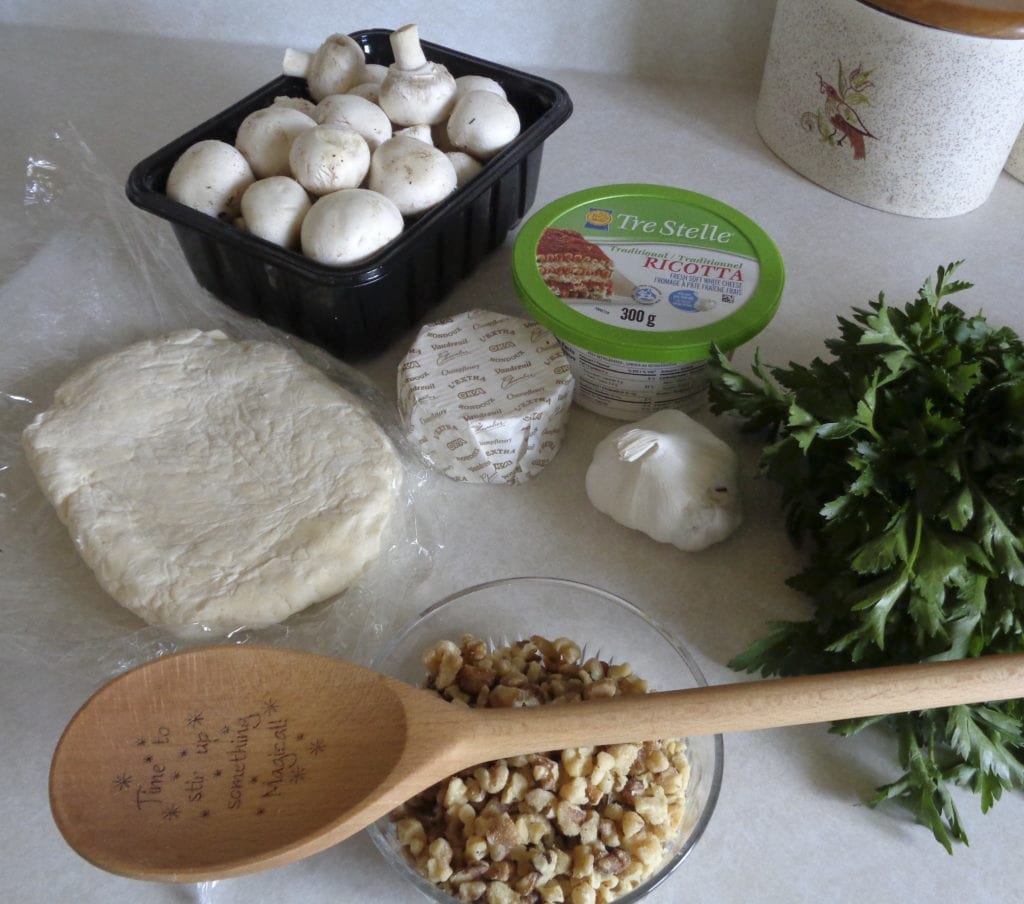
point(215, 483)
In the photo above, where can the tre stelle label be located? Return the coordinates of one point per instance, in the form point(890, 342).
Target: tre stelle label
point(647, 273)
point(648, 265)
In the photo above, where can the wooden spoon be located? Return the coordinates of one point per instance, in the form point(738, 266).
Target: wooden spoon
point(225, 760)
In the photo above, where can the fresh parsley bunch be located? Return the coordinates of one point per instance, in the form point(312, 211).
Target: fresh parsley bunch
point(901, 467)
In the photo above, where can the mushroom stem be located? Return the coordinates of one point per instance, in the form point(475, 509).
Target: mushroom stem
point(296, 63)
point(405, 43)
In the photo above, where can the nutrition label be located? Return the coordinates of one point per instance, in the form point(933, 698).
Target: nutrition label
point(629, 389)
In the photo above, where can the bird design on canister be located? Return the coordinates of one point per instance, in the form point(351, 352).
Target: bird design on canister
point(838, 122)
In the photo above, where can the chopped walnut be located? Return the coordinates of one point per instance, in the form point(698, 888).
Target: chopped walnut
point(471, 891)
point(541, 801)
point(492, 777)
point(516, 788)
point(439, 861)
point(504, 695)
point(470, 874)
point(545, 772)
point(569, 818)
point(472, 678)
point(574, 790)
point(578, 826)
point(502, 836)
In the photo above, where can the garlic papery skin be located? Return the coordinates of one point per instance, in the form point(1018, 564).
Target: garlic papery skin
point(670, 477)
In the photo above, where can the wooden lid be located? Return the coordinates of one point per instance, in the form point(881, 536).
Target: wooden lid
point(984, 18)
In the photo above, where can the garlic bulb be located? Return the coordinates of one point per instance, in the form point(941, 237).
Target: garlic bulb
point(670, 477)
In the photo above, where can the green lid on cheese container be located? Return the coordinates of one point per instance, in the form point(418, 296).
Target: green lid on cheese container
point(637, 282)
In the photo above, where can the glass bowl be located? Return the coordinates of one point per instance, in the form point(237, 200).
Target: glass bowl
point(603, 625)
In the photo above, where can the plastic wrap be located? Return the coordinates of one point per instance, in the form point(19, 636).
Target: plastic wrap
point(91, 275)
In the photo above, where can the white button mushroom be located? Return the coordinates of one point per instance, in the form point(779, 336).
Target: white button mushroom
point(357, 113)
point(482, 123)
point(423, 132)
point(466, 83)
point(303, 104)
point(439, 136)
point(670, 477)
point(415, 90)
point(211, 177)
point(466, 167)
point(348, 226)
point(265, 138)
point(368, 90)
point(337, 65)
point(375, 73)
point(413, 174)
point(329, 158)
point(274, 208)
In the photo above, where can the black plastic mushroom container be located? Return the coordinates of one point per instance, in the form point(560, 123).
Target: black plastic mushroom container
point(357, 310)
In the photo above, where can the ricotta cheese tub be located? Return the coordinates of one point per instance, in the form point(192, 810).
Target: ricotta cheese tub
point(638, 282)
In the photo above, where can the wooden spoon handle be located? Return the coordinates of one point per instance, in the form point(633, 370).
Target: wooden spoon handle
point(745, 706)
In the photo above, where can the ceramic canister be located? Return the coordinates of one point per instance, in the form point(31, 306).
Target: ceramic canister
point(1015, 163)
point(890, 112)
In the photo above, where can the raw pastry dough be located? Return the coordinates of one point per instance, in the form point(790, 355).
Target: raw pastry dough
point(216, 483)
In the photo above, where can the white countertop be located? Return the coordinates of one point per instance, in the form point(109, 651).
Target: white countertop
point(792, 824)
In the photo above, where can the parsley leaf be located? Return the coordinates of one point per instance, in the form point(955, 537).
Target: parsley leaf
point(900, 462)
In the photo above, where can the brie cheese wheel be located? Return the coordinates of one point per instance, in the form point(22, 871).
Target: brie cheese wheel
point(486, 396)
point(215, 483)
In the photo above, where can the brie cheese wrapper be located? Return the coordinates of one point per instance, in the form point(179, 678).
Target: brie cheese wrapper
point(215, 483)
point(486, 396)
